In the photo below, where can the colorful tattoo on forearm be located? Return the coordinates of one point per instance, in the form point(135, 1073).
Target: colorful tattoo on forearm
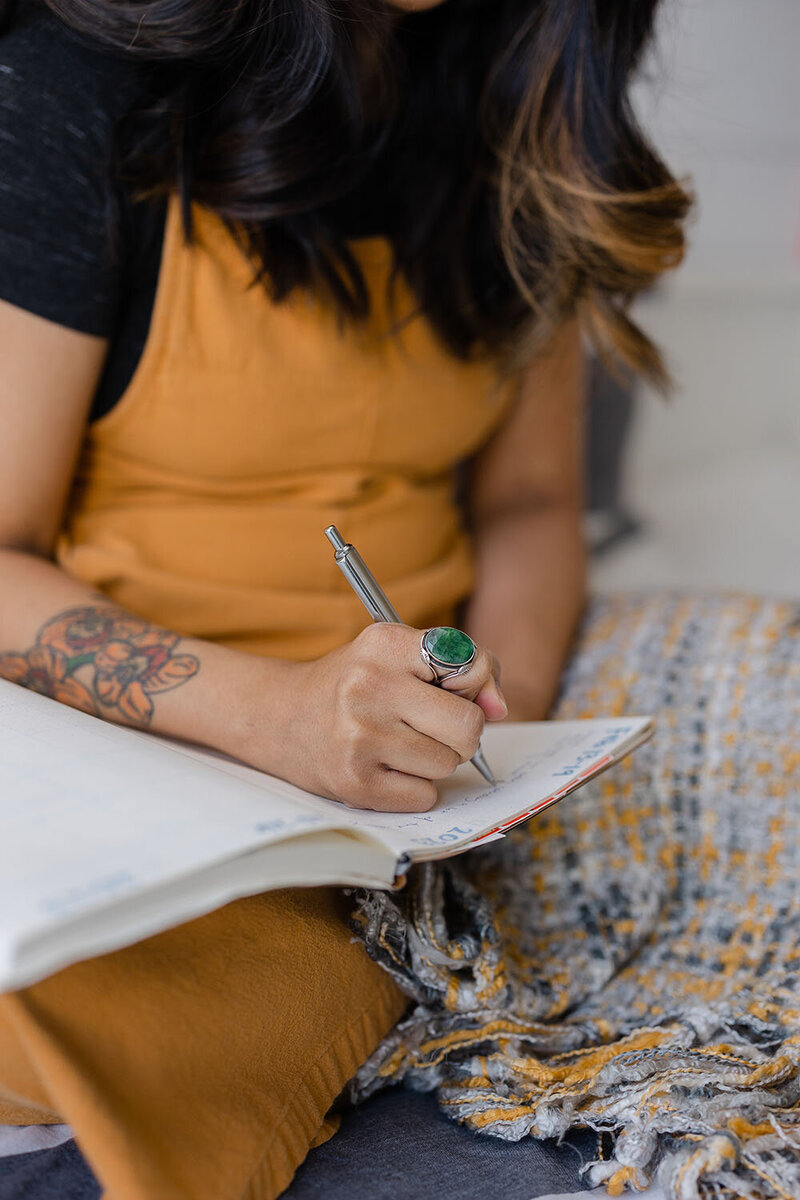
point(102, 661)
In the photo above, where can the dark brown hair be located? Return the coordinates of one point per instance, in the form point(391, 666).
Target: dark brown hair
point(491, 140)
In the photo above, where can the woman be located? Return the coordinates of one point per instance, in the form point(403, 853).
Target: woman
point(264, 267)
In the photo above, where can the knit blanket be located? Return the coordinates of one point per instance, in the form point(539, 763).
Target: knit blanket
point(629, 961)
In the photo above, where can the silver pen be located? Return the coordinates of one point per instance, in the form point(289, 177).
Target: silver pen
point(376, 602)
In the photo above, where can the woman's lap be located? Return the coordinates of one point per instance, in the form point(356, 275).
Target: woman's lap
point(639, 909)
point(206, 1058)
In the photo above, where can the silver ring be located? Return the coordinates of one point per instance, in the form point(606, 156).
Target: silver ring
point(447, 652)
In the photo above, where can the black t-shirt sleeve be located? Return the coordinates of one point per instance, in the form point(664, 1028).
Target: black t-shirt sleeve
point(59, 102)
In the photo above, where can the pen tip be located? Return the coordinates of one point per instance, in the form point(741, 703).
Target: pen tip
point(480, 762)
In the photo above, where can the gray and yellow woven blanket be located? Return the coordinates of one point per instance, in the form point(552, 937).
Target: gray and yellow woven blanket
point(630, 960)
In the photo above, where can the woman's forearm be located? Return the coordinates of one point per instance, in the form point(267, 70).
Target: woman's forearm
point(360, 724)
point(62, 639)
point(528, 598)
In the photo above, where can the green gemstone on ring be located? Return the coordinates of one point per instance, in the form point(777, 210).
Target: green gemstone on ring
point(449, 646)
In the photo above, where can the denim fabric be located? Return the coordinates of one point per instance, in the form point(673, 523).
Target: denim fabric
point(57, 1174)
point(396, 1145)
point(399, 1144)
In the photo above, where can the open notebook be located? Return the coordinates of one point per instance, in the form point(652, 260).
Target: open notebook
point(108, 835)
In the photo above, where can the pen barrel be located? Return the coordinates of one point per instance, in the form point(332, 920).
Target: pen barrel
point(376, 602)
point(365, 586)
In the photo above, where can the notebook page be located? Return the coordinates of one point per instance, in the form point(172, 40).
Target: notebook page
point(91, 812)
point(532, 762)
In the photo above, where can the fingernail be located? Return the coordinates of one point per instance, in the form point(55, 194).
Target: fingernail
point(501, 698)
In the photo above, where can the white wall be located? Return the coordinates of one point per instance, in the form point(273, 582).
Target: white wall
point(722, 97)
point(715, 472)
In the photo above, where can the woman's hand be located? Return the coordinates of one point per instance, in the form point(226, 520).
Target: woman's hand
point(363, 724)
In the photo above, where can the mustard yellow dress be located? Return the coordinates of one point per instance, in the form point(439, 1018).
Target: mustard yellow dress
point(200, 1064)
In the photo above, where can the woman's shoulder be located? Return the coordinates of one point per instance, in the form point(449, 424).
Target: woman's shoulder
point(41, 52)
point(60, 100)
